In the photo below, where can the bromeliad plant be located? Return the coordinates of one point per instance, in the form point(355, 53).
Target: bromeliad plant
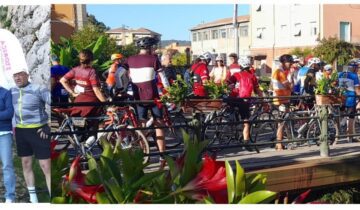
point(119, 177)
point(329, 86)
point(177, 92)
point(216, 91)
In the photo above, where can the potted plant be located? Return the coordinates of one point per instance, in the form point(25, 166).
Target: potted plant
point(328, 91)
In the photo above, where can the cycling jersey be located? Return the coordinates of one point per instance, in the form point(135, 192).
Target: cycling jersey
point(278, 79)
point(201, 73)
point(247, 83)
point(29, 105)
point(85, 79)
point(234, 68)
point(350, 80)
point(110, 81)
point(143, 69)
point(300, 81)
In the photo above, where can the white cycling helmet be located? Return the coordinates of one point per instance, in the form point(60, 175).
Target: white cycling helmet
point(314, 60)
point(244, 62)
point(219, 58)
point(328, 67)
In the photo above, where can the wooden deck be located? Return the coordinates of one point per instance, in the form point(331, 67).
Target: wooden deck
point(301, 168)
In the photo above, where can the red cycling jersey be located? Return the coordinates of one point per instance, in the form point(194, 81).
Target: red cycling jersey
point(246, 84)
point(201, 73)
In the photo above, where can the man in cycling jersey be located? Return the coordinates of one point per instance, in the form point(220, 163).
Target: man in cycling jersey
point(110, 80)
point(247, 83)
point(143, 68)
point(350, 80)
point(201, 75)
point(234, 66)
point(31, 131)
point(282, 87)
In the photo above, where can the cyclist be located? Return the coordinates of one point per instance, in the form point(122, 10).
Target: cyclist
point(87, 89)
point(143, 68)
point(247, 83)
point(234, 66)
point(31, 131)
point(58, 93)
point(219, 73)
point(110, 80)
point(310, 79)
point(201, 75)
point(282, 87)
point(350, 81)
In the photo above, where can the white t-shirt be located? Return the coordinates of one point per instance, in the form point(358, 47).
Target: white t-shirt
point(218, 74)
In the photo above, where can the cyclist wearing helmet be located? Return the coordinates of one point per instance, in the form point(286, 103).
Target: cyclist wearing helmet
point(282, 87)
point(310, 79)
point(201, 74)
point(349, 80)
point(143, 68)
point(116, 59)
point(246, 83)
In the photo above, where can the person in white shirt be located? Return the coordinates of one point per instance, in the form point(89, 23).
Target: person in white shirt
point(219, 73)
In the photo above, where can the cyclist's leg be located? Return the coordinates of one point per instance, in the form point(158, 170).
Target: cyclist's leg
point(350, 123)
point(160, 134)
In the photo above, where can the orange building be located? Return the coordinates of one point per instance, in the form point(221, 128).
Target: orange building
point(65, 19)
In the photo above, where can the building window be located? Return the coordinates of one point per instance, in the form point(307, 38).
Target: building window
point(206, 35)
point(260, 33)
point(313, 29)
point(345, 31)
point(194, 37)
point(199, 36)
point(214, 34)
point(258, 8)
point(223, 33)
point(297, 29)
point(244, 31)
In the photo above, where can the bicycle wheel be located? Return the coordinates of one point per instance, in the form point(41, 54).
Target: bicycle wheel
point(130, 139)
point(314, 131)
point(173, 135)
point(64, 141)
point(262, 132)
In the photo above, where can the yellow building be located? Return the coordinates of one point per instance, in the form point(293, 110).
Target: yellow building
point(66, 19)
point(124, 36)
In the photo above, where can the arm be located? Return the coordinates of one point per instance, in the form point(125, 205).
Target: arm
point(65, 84)
point(99, 94)
point(8, 113)
point(45, 95)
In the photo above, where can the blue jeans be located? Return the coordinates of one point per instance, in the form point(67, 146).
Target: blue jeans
point(7, 165)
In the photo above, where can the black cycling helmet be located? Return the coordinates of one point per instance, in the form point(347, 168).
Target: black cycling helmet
point(146, 42)
point(286, 58)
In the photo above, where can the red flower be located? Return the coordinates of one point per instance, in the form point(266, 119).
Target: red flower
point(53, 154)
point(211, 180)
point(78, 189)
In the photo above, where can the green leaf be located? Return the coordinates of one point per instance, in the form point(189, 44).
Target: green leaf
point(174, 171)
point(115, 190)
point(145, 179)
point(92, 177)
point(230, 182)
point(100, 44)
point(109, 169)
point(102, 198)
point(107, 149)
point(59, 200)
point(208, 200)
point(240, 186)
point(258, 197)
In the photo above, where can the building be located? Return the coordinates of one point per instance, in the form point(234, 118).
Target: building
point(218, 37)
point(175, 47)
point(278, 29)
point(124, 36)
point(66, 19)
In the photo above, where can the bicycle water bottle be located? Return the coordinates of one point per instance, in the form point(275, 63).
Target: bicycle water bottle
point(149, 122)
point(90, 141)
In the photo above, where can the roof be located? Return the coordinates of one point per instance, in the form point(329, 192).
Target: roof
point(220, 22)
point(139, 30)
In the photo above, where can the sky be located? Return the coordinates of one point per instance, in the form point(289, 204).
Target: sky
point(172, 21)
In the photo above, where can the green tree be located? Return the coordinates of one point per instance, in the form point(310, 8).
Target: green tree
point(83, 38)
point(333, 49)
point(179, 59)
point(128, 50)
point(301, 52)
point(91, 19)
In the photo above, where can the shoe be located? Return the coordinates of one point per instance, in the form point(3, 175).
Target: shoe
point(247, 146)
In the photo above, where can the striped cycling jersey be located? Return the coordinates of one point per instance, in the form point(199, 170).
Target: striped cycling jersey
point(350, 81)
point(234, 68)
point(143, 70)
point(29, 105)
point(278, 79)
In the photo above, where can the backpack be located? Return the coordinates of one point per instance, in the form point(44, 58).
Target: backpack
point(246, 85)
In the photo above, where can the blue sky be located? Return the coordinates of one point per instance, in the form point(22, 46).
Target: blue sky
point(172, 21)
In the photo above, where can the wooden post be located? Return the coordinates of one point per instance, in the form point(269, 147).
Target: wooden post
point(323, 116)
